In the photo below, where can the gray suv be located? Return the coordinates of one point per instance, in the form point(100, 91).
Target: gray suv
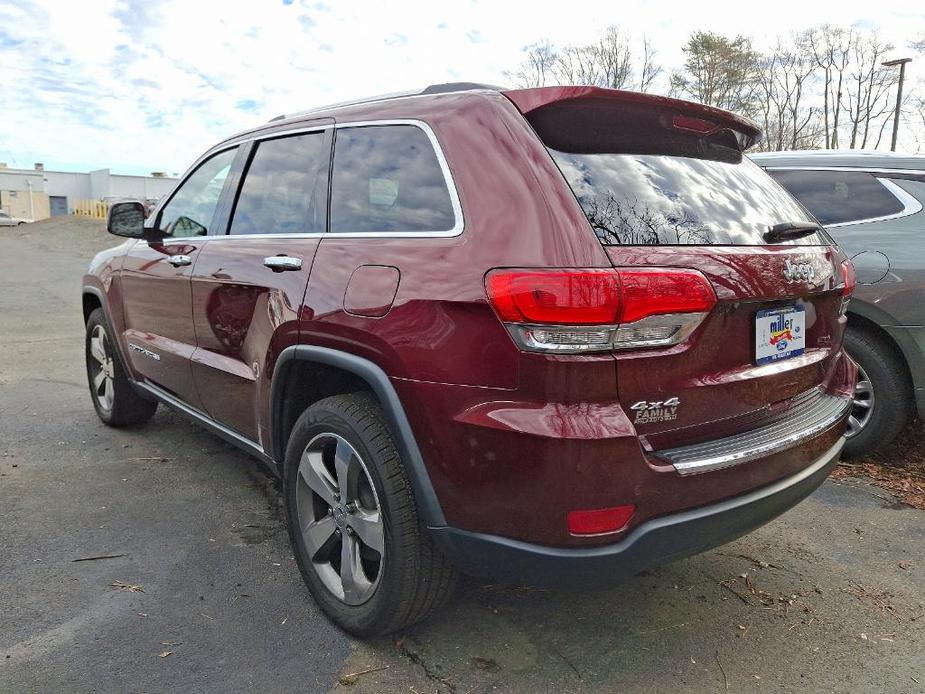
point(872, 204)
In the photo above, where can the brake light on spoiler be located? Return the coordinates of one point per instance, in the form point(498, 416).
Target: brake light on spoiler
point(571, 311)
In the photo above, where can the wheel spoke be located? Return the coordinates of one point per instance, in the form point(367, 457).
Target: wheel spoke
point(853, 424)
point(863, 388)
point(368, 527)
point(98, 380)
point(108, 392)
point(861, 403)
point(352, 577)
point(319, 536)
point(317, 477)
point(97, 350)
point(347, 467)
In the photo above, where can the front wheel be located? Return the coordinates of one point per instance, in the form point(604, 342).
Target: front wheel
point(358, 541)
point(115, 400)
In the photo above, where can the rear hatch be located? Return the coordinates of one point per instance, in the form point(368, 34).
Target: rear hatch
point(666, 188)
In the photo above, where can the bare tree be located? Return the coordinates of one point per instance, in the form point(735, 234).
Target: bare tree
point(831, 49)
point(868, 89)
point(650, 70)
point(536, 69)
point(609, 62)
point(578, 65)
point(615, 59)
point(784, 77)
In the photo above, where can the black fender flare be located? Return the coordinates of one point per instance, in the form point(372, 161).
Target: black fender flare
point(382, 388)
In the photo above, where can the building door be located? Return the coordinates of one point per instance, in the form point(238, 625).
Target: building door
point(58, 205)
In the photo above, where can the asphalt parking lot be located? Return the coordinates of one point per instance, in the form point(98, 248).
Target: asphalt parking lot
point(203, 594)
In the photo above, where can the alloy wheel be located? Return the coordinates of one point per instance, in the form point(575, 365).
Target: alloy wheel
point(862, 405)
point(340, 518)
point(102, 370)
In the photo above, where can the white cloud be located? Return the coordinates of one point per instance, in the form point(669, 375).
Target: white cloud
point(144, 85)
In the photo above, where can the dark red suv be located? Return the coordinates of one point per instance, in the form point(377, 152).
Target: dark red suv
point(550, 336)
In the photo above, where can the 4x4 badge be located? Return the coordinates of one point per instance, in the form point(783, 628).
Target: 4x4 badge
point(656, 411)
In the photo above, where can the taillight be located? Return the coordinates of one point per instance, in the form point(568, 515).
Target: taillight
point(599, 310)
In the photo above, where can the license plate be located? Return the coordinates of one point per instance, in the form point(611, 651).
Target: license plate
point(780, 333)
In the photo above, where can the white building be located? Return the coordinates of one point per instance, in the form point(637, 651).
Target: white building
point(36, 194)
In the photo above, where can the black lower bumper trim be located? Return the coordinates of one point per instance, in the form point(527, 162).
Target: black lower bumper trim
point(652, 543)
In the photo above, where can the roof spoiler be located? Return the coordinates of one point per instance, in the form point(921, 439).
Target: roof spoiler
point(685, 117)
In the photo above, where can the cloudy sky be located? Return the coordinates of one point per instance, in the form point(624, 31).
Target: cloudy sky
point(147, 85)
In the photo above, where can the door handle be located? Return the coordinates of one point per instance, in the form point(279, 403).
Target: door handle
point(280, 263)
point(178, 260)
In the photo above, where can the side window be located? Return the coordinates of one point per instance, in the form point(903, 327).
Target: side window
point(285, 189)
point(836, 197)
point(190, 210)
point(387, 178)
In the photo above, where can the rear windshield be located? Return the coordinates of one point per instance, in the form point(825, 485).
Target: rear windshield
point(660, 200)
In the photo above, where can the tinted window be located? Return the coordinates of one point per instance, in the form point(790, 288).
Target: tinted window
point(836, 197)
point(190, 210)
point(285, 189)
point(651, 199)
point(387, 178)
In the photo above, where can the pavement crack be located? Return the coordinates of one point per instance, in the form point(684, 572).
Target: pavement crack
point(430, 671)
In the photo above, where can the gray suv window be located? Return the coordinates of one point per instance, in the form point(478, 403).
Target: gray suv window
point(387, 178)
point(285, 188)
point(837, 197)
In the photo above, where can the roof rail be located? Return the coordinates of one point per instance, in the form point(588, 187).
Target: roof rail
point(445, 88)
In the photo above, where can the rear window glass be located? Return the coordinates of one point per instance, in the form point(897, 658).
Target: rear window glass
point(388, 179)
point(837, 197)
point(661, 200)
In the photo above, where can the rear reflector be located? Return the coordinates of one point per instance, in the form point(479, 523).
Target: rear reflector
point(600, 521)
point(599, 310)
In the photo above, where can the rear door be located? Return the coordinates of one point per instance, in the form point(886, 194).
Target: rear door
point(159, 337)
point(248, 286)
point(664, 188)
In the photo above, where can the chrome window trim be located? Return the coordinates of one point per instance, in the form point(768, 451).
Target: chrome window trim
point(875, 170)
point(458, 221)
point(459, 224)
point(910, 203)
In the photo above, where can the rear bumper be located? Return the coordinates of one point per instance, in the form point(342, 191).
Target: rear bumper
point(655, 542)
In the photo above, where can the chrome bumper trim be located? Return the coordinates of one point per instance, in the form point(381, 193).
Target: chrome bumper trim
point(808, 417)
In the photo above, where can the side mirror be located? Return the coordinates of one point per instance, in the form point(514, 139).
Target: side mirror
point(126, 219)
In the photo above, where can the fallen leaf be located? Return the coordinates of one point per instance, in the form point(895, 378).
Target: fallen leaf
point(351, 679)
point(165, 654)
point(127, 587)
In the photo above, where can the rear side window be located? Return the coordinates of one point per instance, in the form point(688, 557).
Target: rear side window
point(388, 179)
point(837, 197)
point(664, 200)
point(285, 188)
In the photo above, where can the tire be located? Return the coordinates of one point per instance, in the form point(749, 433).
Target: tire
point(342, 447)
point(884, 385)
point(116, 402)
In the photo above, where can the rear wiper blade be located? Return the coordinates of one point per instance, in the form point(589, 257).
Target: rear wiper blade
point(786, 231)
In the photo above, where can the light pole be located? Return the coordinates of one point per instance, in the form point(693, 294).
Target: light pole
point(899, 93)
point(31, 201)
